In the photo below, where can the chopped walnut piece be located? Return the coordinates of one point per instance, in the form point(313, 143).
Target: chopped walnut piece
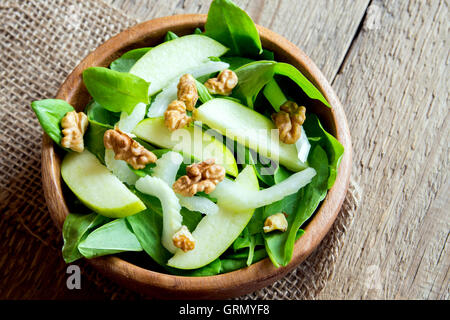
point(202, 176)
point(175, 116)
point(183, 239)
point(275, 222)
point(187, 91)
point(74, 125)
point(223, 84)
point(125, 148)
point(289, 121)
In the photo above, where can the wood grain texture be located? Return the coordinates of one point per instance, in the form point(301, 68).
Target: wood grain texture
point(393, 83)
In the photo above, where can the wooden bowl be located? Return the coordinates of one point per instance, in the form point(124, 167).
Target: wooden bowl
point(258, 275)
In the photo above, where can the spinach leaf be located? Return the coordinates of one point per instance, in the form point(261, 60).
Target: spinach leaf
point(203, 93)
point(93, 140)
point(170, 36)
point(230, 25)
point(147, 226)
point(75, 229)
point(50, 113)
point(114, 237)
point(99, 115)
point(115, 91)
point(295, 75)
point(236, 62)
point(318, 136)
point(210, 269)
point(128, 59)
point(280, 246)
point(229, 264)
point(252, 78)
point(198, 31)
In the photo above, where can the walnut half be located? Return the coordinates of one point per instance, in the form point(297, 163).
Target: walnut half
point(289, 121)
point(125, 148)
point(275, 222)
point(223, 84)
point(175, 116)
point(74, 125)
point(187, 91)
point(183, 239)
point(202, 176)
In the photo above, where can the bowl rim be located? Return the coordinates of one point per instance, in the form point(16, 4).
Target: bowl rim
point(242, 281)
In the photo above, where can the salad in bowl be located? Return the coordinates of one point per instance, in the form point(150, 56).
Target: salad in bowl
point(199, 154)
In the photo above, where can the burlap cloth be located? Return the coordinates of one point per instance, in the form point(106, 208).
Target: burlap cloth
point(40, 43)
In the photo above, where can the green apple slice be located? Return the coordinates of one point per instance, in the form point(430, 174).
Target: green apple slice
point(250, 128)
point(97, 187)
point(191, 141)
point(170, 59)
point(216, 232)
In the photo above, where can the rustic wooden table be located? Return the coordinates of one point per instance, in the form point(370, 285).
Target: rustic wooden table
point(388, 63)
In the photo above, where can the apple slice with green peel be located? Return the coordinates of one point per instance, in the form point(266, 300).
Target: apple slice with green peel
point(191, 141)
point(250, 128)
point(216, 232)
point(170, 59)
point(97, 187)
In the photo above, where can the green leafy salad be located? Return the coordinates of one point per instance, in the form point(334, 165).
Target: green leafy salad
point(195, 157)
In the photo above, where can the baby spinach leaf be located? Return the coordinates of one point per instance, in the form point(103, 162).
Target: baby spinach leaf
point(229, 265)
point(128, 59)
point(170, 36)
point(252, 78)
point(210, 269)
point(93, 140)
point(114, 237)
point(318, 136)
point(75, 229)
point(313, 194)
point(230, 25)
point(203, 93)
point(236, 62)
point(147, 226)
point(50, 113)
point(99, 115)
point(295, 75)
point(280, 245)
point(115, 91)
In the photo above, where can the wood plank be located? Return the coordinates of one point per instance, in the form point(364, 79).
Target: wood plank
point(323, 29)
point(394, 85)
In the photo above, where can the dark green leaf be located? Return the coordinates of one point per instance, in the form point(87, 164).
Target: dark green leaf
point(170, 36)
point(114, 90)
point(252, 78)
point(99, 115)
point(114, 237)
point(236, 62)
point(147, 226)
point(198, 31)
point(50, 113)
point(230, 25)
point(229, 265)
point(128, 59)
point(210, 269)
point(318, 136)
point(280, 245)
point(203, 93)
point(75, 229)
point(295, 75)
point(93, 140)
